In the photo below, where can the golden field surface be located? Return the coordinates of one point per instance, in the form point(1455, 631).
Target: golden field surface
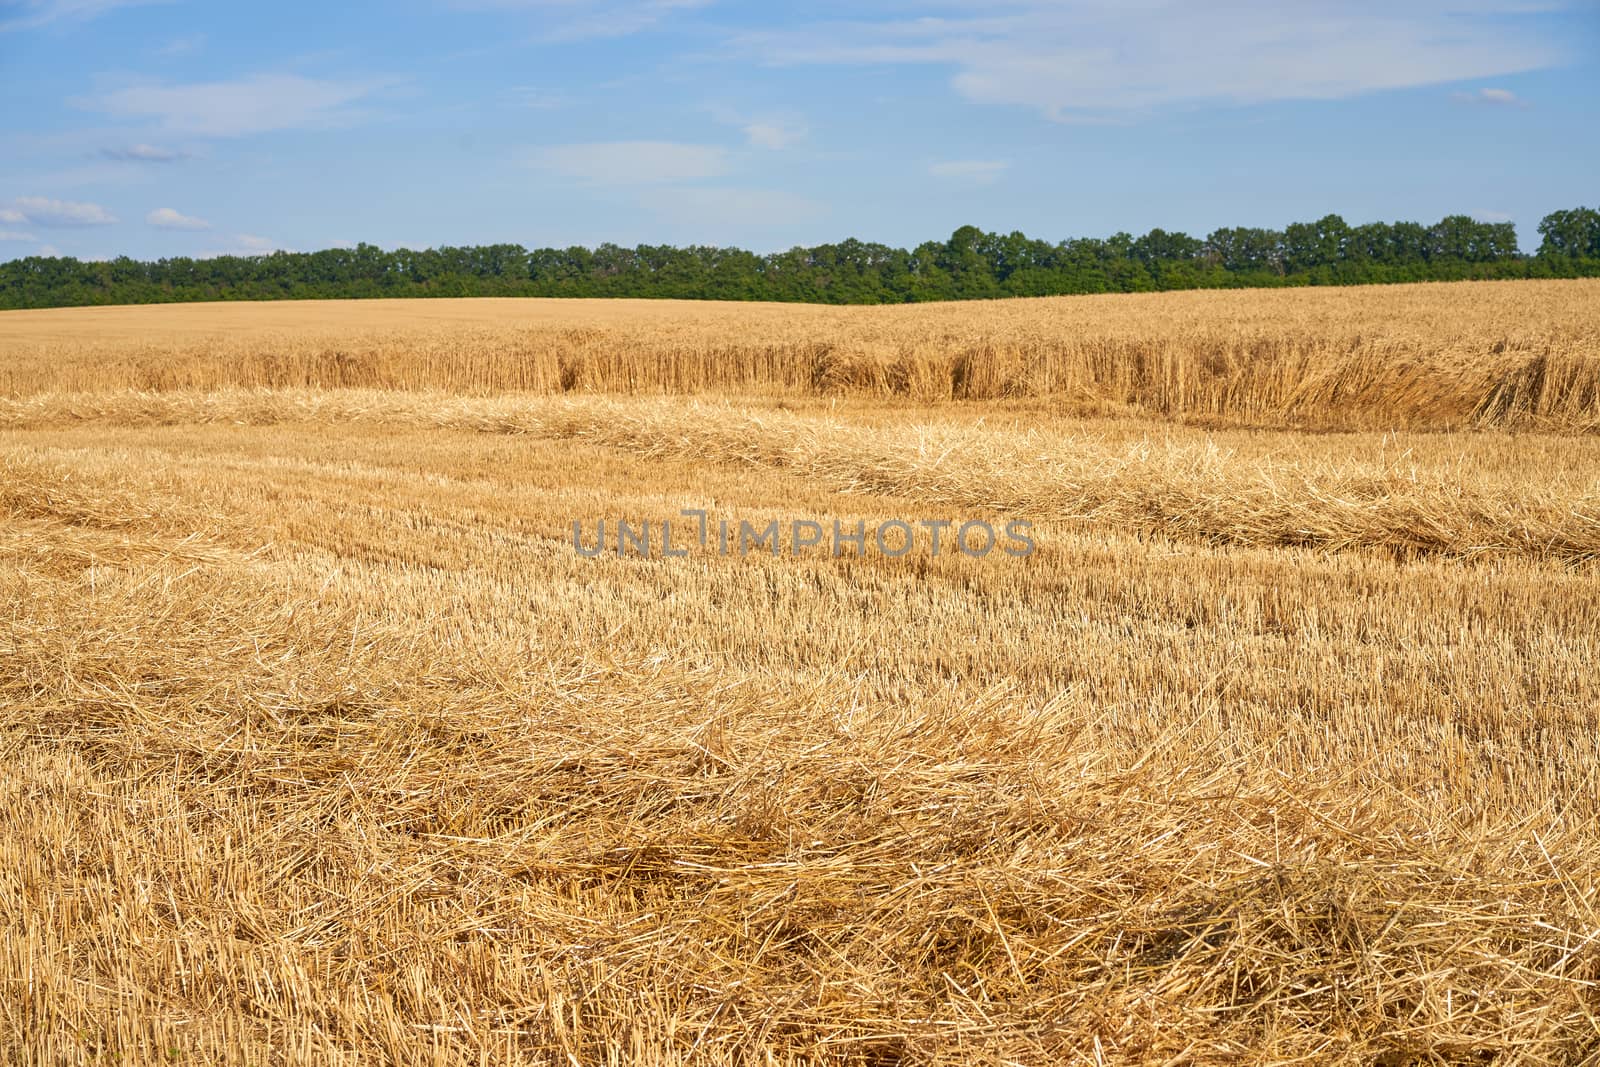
point(321, 743)
point(1429, 356)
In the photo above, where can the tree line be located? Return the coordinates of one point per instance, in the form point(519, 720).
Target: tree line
point(972, 264)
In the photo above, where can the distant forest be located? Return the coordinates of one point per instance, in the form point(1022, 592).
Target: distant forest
point(971, 265)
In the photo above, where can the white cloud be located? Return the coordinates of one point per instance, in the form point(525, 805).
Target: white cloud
point(633, 162)
point(246, 244)
point(49, 250)
point(182, 46)
point(257, 104)
point(1492, 98)
point(578, 20)
point(36, 13)
point(43, 211)
point(774, 133)
point(165, 218)
point(143, 153)
point(15, 235)
point(1095, 60)
point(975, 171)
point(769, 131)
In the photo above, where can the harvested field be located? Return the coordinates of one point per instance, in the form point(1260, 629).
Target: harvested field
point(320, 743)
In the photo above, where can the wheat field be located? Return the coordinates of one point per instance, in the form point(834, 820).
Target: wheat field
point(1425, 357)
point(322, 744)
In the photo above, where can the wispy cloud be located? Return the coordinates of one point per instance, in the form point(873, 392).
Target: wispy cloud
point(621, 20)
point(16, 235)
point(536, 99)
point(633, 162)
point(246, 244)
point(972, 171)
point(183, 46)
point(257, 243)
point(774, 133)
point(166, 218)
point(769, 131)
point(143, 153)
point(31, 14)
point(729, 210)
point(260, 103)
point(1110, 59)
point(44, 211)
point(579, 20)
point(1491, 98)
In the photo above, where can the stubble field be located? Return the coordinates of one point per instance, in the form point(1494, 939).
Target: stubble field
point(320, 743)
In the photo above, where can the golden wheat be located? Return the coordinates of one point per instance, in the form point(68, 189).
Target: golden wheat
point(1398, 357)
point(319, 743)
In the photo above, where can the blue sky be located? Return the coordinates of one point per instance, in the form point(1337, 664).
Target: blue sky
point(155, 128)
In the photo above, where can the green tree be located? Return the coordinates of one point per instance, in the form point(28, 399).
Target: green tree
point(1573, 234)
